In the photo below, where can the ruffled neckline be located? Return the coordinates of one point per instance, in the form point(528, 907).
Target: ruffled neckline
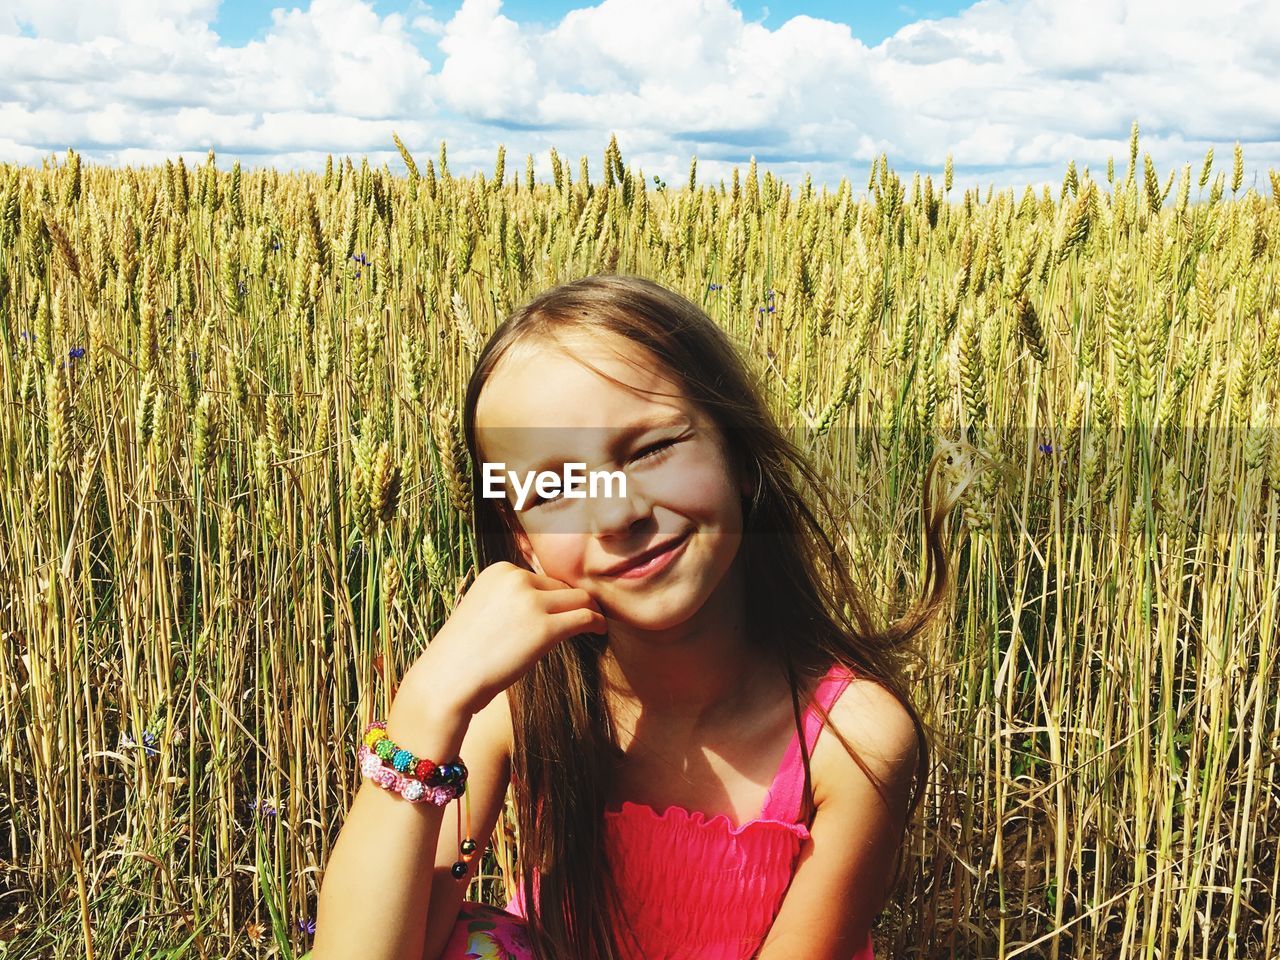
point(675, 813)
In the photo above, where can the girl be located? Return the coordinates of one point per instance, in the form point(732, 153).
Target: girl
point(649, 667)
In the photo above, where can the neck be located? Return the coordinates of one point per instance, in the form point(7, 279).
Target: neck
point(690, 676)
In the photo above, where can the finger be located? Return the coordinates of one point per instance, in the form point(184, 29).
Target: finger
point(544, 582)
point(568, 598)
point(581, 620)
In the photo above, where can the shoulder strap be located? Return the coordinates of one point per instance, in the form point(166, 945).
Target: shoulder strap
point(785, 796)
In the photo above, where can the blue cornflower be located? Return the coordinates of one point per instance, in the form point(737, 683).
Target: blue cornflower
point(1046, 448)
point(762, 309)
point(770, 297)
point(307, 926)
point(75, 353)
point(715, 286)
point(771, 308)
point(275, 245)
point(149, 742)
point(28, 336)
point(357, 274)
point(261, 806)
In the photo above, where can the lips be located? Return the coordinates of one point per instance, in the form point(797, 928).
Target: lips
point(642, 558)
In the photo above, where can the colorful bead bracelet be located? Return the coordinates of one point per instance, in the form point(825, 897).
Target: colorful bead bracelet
point(412, 789)
point(451, 776)
point(417, 780)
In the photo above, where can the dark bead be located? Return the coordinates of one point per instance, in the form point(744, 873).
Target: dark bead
point(459, 870)
point(468, 846)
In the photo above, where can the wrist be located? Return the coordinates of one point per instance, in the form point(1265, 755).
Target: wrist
point(428, 693)
point(426, 723)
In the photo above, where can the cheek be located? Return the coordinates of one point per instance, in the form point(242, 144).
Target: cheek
point(560, 555)
point(701, 489)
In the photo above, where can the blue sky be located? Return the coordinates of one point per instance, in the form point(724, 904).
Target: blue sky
point(1012, 90)
point(239, 21)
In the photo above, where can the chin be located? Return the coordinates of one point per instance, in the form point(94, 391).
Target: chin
point(648, 613)
point(650, 624)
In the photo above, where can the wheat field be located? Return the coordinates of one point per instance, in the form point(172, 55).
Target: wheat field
point(234, 499)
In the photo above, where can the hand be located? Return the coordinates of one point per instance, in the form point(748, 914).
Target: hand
point(507, 621)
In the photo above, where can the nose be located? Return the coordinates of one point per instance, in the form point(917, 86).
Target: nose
point(618, 514)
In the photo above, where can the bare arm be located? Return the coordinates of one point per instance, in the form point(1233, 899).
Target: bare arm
point(377, 883)
point(838, 887)
point(487, 754)
point(377, 900)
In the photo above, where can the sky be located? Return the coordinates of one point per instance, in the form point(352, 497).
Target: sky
point(239, 21)
point(1012, 89)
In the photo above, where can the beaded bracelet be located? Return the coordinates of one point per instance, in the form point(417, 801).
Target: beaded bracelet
point(429, 774)
point(412, 789)
point(417, 780)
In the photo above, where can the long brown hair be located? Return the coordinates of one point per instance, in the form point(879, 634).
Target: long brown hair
point(558, 712)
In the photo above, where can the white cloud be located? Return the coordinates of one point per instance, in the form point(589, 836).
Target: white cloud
point(337, 55)
point(142, 22)
point(490, 72)
point(427, 24)
point(1012, 88)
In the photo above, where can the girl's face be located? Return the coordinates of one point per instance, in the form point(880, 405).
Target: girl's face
point(545, 409)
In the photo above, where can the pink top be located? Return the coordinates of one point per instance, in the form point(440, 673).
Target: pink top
point(706, 889)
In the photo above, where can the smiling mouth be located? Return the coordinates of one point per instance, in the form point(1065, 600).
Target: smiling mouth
point(641, 559)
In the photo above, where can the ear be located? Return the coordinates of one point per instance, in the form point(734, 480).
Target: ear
point(526, 550)
point(748, 472)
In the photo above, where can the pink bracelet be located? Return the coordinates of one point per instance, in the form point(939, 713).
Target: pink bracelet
point(415, 791)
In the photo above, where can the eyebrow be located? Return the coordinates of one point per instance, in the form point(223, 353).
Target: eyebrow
point(623, 435)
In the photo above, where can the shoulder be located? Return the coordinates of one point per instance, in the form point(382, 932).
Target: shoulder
point(881, 732)
point(841, 880)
